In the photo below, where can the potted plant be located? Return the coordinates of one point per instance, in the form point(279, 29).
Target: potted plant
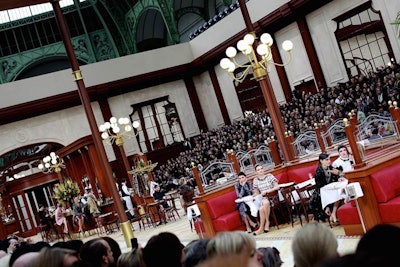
point(65, 192)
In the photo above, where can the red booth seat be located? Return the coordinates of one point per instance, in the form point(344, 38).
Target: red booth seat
point(386, 186)
point(223, 213)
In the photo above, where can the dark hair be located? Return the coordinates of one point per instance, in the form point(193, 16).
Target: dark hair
point(195, 252)
point(92, 251)
point(115, 248)
point(73, 244)
point(164, 249)
point(323, 156)
point(257, 165)
point(241, 173)
point(342, 146)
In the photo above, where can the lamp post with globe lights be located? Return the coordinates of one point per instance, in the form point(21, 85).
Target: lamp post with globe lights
point(259, 57)
point(115, 131)
point(52, 163)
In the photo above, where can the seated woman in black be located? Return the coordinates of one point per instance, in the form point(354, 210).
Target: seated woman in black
point(243, 188)
point(326, 174)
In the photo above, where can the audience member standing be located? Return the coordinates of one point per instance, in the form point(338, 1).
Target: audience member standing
point(126, 195)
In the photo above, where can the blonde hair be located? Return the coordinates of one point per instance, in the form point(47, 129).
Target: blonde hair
point(230, 243)
point(53, 257)
point(312, 244)
point(131, 258)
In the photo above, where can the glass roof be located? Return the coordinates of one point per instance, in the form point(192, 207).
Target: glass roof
point(24, 12)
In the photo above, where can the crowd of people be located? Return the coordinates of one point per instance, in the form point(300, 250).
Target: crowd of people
point(366, 94)
point(163, 249)
point(313, 245)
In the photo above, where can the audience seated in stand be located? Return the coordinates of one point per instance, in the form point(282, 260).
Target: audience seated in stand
point(164, 249)
point(299, 116)
point(313, 244)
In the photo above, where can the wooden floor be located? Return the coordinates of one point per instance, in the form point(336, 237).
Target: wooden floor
point(281, 239)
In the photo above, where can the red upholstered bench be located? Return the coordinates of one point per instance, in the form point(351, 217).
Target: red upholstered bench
point(299, 175)
point(386, 186)
point(223, 213)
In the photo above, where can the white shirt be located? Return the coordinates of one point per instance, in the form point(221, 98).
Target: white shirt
point(346, 164)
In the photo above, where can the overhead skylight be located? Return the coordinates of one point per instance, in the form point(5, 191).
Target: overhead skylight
point(24, 12)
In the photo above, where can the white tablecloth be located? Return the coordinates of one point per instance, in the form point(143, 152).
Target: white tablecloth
point(333, 192)
point(305, 183)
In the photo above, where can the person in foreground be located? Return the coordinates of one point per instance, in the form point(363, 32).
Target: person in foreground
point(232, 244)
point(264, 184)
point(326, 174)
point(312, 244)
point(164, 249)
point(247, 209)
point(377, 247)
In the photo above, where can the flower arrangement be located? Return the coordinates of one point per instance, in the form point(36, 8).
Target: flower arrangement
point(66, 192)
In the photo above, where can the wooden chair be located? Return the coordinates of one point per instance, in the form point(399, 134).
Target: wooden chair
point(275, 204)
point(171, 210)
point(304, 198)
point(137, 218)
point(45, 232)
point(292, 203)
point(188, 199)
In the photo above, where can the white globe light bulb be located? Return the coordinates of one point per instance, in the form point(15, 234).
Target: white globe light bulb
point(113, 120)
point(224, 63)
point(128, 128)
point(231, 67)
point(248, 50)
point(104, 135)
point(266, 39)
point(287, 45)
point(136, 124)
point(116, 129)
point(230, 52)
point(249, 39)
point(241, 45)
point(107, 125)
point(262, 49)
